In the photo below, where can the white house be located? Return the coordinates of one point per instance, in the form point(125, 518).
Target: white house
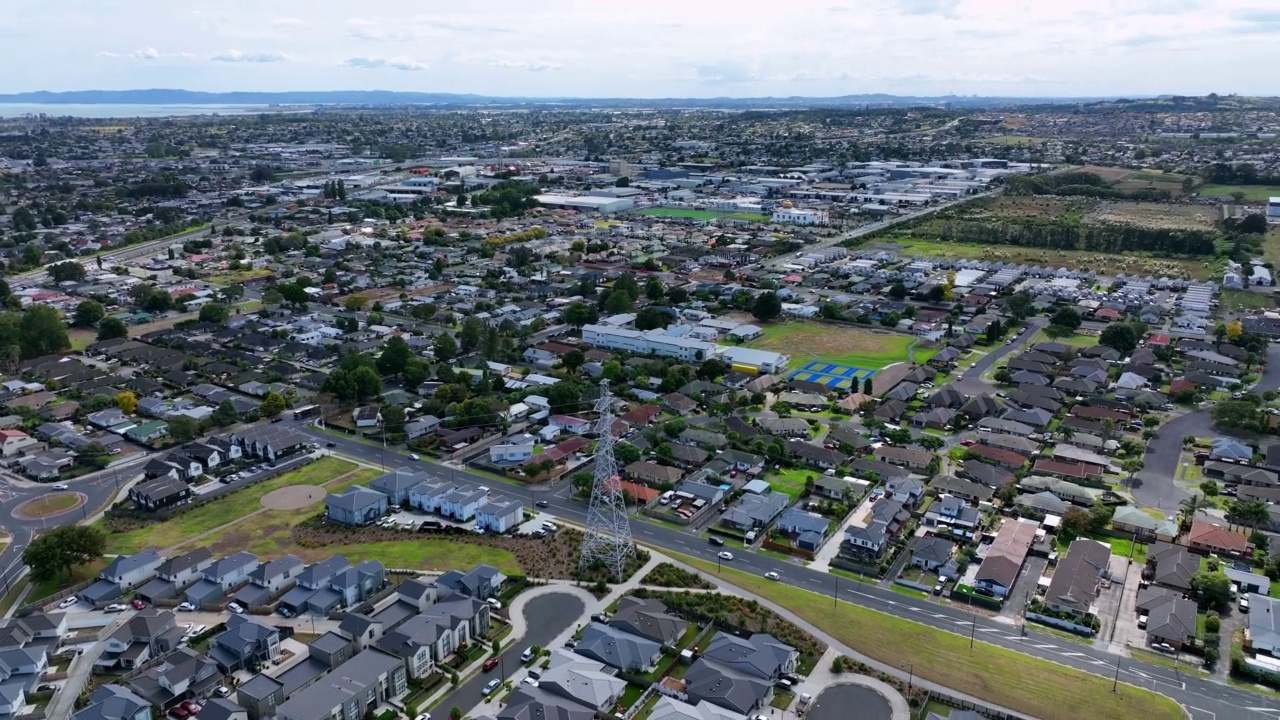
point(463, 503)
point(366, 416)
point(12, 442)
point(798, 216)
point(500, 515)
point(511, 453)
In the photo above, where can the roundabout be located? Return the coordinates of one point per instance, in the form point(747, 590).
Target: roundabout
point(49, 505)
point(846, 700)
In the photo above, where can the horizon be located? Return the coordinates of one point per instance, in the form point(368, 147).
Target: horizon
point(558, 49)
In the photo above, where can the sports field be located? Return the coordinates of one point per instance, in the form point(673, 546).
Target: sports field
point(836, 345)
point(701, 214)
point(844, 377)
point(1252, 193)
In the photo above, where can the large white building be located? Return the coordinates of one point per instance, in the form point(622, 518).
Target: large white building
point(586, 202)
point(677, 342)
point(1273, 209)
point(785, 213)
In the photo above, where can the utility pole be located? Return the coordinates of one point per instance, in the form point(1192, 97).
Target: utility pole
point(835, 592)
point(1115, 681)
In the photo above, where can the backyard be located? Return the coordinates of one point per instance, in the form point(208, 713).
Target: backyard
point(1004, 677)
point(790, 480)
point(836, 344)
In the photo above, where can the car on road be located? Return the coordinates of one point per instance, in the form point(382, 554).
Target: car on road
point(60, 486)
point(725, 555)
point(542, 504)
point(414, 456)
point(138, 604)
point(423, 716)
point(715, 541)
point(186, 607)
point(772, 576)
point(527, 655)
point(490, 686)
point(115, 608)
point(68, 602)
point(331, 444)
point(489, 664)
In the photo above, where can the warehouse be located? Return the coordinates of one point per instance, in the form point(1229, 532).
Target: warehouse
point(586, 203)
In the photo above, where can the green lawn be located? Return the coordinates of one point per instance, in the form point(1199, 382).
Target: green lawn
point(806, 341)
point(225, 510)
point(1254, 193)
point(1242, 300)
point(790, 480)
point(1020, 682)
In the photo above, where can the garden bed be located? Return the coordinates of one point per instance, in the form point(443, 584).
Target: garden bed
point(668, 575)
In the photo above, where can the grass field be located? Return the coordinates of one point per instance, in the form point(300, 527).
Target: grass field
point(1252, 193)
point(183, 527)
point(701, 214)
point(239, 277)
point(1020, 682)
point(1130, 263)
point(844, 345)
point(790, 481)
point(1244, 301)
point(49, 505)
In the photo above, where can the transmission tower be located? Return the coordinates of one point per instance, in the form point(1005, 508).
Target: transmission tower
point(608, 537)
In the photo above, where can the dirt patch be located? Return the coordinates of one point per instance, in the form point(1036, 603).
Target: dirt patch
point(293, 497)
point(1156, 215)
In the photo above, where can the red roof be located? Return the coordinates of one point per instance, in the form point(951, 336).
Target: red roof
point(1157, 339)
point(1000, 455)
point(642, 493)
point(1216, 538)
point(1098, 413)
point(7, 434)
point(1181, 384)
point(1071, 469)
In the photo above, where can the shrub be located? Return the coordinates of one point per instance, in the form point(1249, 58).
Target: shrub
point(1212, 623)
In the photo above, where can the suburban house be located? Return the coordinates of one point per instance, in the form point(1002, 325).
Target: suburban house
point(269, 580)
point(246, 644)
point(500, 515)
point(1208, 538)
point(396, 485)
point(364, 682)
point(619, 649)
point(481, 582)
point(738, 674)
point(219, 577)
point(1076, 583)
point(163, 492)
point(175, 574)
point(357, 505)
point(1264, 625)
point(148, 634)
point(113, 702)
point(648, 618)
point(999, 569)
point(932, 553)
point(427, 639)
point(1129, 519)
point(1171, 619)
point(1171, 566)
point(807, 530)
point(130, 571)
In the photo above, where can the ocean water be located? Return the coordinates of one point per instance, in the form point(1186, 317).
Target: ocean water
point(8, 110)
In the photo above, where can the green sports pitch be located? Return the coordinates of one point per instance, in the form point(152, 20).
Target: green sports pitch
point(691, 214)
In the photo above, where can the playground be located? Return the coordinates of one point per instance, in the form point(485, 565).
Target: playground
point(836, 375)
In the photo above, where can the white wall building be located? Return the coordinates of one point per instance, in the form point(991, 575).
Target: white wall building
point(1273, 209)
point(799, 216)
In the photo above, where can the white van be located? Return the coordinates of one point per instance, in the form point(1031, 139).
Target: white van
point(666, 497)
point(550, 527)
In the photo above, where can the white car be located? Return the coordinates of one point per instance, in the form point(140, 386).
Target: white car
point(222, 691)
point(772, 576)
point(68, 602)
point(527, 655)
point(115, 608)
point(423, 716)
point(725, 555)
point(60, 486)
point(490, 686)
point(236, 608)
point(529, 681)
point(186, 607)
point(414, 456)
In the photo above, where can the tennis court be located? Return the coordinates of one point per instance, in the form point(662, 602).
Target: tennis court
point(833, 375)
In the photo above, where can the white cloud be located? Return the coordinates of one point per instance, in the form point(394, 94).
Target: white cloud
point(146, 53)
point(288, 22)
point(530, 65)
point(363, 29)
point(108, 54)
point(236, 56)
point(374, 63)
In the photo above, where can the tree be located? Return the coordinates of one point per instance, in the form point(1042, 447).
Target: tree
point(66, 271)
point(1003, 376)
point(88, 313)
point(625, 454)
point(867, 387)
point(617, 302)
point(41, 332)
point(415, 373)
point(367, 382)
point(1075, 522)
point(225, 414)
point(273, 404)
point(395, 356)
point(58, 551)
point(1099, 516)
point(651, 317)
point(393, 418)
point(1248, 512)
point(677, 295)
point(127, 401)
point(654, 290)
point(354, 303)
point(711, 369)
point(1213, 588)
point(1235, 414)
point(1059, 331)
point(183, 428)
point(897, 290)
point(1234, 330)
point(931, 442)
point(215, 313)
point(578, 313)
point(470, 335)
point(272, 297)
point(1120, 336)
point(767, 306)
point(1066, 317)
point(1020, 304)
point(573, 360)
point(1187, 510)
point(455, 712)
point(444, 346)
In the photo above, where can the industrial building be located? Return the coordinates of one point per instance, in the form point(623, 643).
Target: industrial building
point(586, 203)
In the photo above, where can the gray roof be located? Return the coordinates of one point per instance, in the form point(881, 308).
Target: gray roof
point(356, 497)
point(128, 563)
point(1264, 620)
point(219, 709)
point(711, 682)
point(762, 655)
point(576, 678)
point(617, 648)
point(112, 702)
point(350, 679)
point(647, 618)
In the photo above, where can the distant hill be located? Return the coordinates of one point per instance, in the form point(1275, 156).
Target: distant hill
point(387, 97)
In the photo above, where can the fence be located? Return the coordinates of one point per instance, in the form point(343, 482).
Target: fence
point(770, 544)
point(982, 710)
point(913, 585)
point(31, 607)
point(1059, 623)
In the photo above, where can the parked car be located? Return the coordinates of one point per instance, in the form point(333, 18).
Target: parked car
point(527, 655)
point(179, 712)
point(222, 691)
point(48, 687)
point(490, 686)
point(423, 716)
point(236, 608)
point(489, 664)
point(186, 607)
point(284, 612)
point(138, 604)
point(715, 541)
point(528, 681)
point(494, 603)
point(190, 707)
point(115, 608)
point(1243, 605)
point(68, 602)
point(1142, 622)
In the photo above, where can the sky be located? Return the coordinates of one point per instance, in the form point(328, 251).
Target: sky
point(655, 48)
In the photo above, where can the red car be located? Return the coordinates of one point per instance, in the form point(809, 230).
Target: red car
point(190, 707)
point(967, 443)
point(138, 604)
point(490, 664)
point(179, 712)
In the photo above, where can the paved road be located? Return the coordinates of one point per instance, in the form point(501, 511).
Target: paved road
point(991, 358)
point(548, 616)
point(838, 702)
point(1224, 700)
point(1155, 486)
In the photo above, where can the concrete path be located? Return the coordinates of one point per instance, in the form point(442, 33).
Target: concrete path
point(81, 669)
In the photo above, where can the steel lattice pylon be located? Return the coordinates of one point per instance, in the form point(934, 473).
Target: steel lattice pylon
point(608, 537)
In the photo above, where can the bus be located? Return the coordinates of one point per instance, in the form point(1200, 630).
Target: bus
point(306, 411)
